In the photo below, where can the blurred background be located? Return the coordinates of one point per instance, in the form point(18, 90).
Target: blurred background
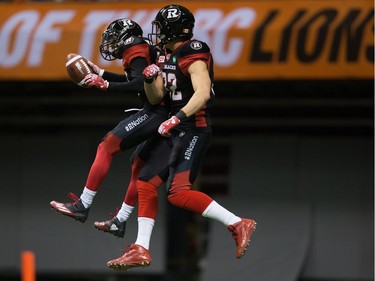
point(293, 142)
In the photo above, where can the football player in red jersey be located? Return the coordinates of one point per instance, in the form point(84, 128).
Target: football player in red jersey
point(123, 40)
point(183, 74)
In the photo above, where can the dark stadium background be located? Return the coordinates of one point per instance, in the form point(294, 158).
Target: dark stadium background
point(341, 110)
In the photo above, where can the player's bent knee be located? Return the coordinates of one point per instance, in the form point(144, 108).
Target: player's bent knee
point(178, 199)
point(111, 143)
point(146, 188)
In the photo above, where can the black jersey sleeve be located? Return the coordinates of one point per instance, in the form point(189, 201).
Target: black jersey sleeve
point(194, 47)
point(193, 51)
point(114, 77)
point(135, 84)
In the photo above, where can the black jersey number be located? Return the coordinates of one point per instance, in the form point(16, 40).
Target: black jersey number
point(170, 83)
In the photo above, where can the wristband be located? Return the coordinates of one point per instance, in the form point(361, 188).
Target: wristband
point(101, 72)
point(181, 115)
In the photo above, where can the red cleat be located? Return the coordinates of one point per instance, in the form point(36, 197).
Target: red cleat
point(241, 233)
point(135, 256)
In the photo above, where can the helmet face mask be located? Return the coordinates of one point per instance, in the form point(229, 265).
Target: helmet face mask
point(154, 36)
point(173, 22)
point(114, 37)
point(111, 45)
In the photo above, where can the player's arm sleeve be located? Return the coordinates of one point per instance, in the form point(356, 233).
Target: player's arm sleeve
point(185, 62)
point(136, 84)
point(114, 77)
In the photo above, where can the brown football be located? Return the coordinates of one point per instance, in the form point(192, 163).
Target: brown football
point(77, 68)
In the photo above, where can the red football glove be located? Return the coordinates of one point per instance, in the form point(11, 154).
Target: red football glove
point(94, 80)
point(95, 68)
point(150, 72)
point(168, 125)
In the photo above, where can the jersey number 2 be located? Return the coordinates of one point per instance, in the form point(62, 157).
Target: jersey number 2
point(170, 82)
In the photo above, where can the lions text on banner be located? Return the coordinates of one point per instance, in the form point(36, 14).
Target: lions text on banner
point(260, 40)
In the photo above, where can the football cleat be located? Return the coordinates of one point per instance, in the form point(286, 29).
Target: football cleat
point(241, 233)
point(112, 226)
point(75, 210)
point(135, 256)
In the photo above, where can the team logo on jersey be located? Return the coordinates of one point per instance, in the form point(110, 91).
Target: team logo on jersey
point(161, 59)
point(129, 40)
point(174, 60)
point(172, 14)
point(196, 45)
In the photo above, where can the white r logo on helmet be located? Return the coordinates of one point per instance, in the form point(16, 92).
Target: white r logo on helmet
point(127, 23)
point(173, 14)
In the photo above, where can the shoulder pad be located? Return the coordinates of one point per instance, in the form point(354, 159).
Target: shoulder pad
point(132, 41)
point(194, 47)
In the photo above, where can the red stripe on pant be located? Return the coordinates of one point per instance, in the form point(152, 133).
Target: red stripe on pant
point(109, 147)
point(181, 196)
point(148, 197)
point(131, 196)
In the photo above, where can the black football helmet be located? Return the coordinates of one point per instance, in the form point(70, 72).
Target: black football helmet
point(114, 37)
point(172, 22)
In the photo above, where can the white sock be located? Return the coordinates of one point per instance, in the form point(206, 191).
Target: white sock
point(124, 212)
point(87, 197)
point(219, 213)
point(145, 226)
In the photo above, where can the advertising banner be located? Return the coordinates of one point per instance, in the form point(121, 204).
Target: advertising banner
point(280, 39)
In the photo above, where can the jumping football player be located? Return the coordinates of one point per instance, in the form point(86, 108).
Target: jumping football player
point(123, 40)
point(184, 75)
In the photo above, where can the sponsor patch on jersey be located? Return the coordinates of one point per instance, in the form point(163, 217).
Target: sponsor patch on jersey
point(196, 45)
point(169, 66)
point(162, 59)
point(129, 40)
